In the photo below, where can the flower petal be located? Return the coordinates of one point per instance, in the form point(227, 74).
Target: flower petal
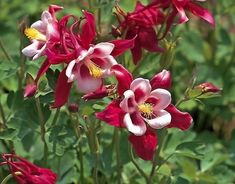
point(103, 49)
point(31, 49)
point(44, 67)
point(201, 12)
point(144, 145)
point(122, 45)
point(163, 118)
point(135, 124)
point(85, 82)
point(62, 90)
point(69, 71)
point(128, 104)
point(142, 88)
point(123, 77)
point(112, 114)
point(161, 80)
point(181, 120)
point(163, 96)
point(88, 30)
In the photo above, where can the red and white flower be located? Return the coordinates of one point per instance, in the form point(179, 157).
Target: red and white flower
point(42, 32)
point(91, 66)
point(142, 107)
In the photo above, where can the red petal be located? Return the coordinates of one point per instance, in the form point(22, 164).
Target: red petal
point(161, 80)
point(88, 33)
point(124, 78)
point(148, 40)
point(98, 94)
point(144, 145)
point(44, 67)
point(201, 12)
point(181, 120)
point(112, 114)
point(121, 46)
point(62, 90)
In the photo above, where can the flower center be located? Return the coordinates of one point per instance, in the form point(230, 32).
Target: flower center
point(34, 34)
point(95, 70)
point(146, 109)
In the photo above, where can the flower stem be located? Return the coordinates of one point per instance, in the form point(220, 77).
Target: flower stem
point(42, 129)
point(117, 148)
point(130, 152)
point(5, 180)
point(5, 52)
point(3, 116)
point(81, 163)
point(157, 160)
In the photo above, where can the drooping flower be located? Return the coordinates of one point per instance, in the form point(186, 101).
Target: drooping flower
point(181, 6)
point(140, 23)
point(25, 172)
point(142, 107)
point(42, 32)
point(92, 64)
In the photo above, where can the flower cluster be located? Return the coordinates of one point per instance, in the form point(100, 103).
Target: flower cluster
point(141, 105)
point(25, 172)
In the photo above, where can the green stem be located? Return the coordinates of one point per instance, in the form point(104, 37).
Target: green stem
point(42, 129)
point(130, 152)
point(117, 148)
point(3, 116)
point(157, 160)
point(55, 119)
point(5, 180)
point(81, 163)
point(5, 52)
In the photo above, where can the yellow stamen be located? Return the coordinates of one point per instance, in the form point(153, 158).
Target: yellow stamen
point(146, 109)
point(95, 71)
point(34, 34)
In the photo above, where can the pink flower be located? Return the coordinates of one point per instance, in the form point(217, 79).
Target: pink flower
point(140, 23)
point(27, 172)
point(142, 107)
point(42, 32)
point(92, 64)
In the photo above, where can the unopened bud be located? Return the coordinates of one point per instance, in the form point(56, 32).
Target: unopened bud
point(208, 87)
point(30, 90)
point(73, 107)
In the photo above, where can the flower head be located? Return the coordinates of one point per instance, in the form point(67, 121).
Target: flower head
point(42, 32)
point(143, 106)
point(28, 172)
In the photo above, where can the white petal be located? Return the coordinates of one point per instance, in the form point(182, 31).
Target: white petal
point(39, 26)
point(46, 17)
point(40, 52)
point(31, 49)
point(163, 96)
point(85, 82)
point(163, 118)
point(85, 53)
point(110, 62)
point(69, 71)
point(138, 130)
point(103, 49)
point(128, 104)
point(141, 88)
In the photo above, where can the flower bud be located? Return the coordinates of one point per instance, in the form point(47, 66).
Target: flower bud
point(30, 90)
point(208, 87)
point(161, 80)
point(73, 107)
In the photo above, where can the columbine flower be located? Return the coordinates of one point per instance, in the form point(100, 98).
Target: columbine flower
point(143, 106)
point(41, 33)
point(140, 23)
point(92, 64)
point(180, 6)
point(26, 172)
